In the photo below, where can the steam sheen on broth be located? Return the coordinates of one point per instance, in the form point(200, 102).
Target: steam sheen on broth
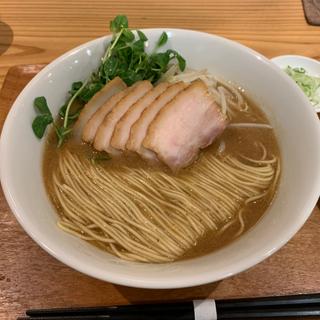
point(245, 149)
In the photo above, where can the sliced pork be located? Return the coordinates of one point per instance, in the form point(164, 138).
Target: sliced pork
point(91, 127)
point(139, 129)
point(106, 129)
point(122, 129)
point(111, 88)
point(188, 123)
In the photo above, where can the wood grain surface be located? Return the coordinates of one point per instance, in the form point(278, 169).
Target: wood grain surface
point(42, 30)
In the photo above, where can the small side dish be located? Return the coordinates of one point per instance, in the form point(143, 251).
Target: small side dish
point(305, 72)
point(310, 85)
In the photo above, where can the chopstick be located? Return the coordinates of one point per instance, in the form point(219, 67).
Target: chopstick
point(272, 313)
point(141, 316)
point(253, 308)
point(299, 299)
point(107, 317)
point(152, 308)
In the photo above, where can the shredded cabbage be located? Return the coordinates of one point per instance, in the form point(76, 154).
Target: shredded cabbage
point(310, 85)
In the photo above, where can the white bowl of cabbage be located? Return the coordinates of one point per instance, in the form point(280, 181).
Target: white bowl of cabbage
point(225, 173)
point(305, 72)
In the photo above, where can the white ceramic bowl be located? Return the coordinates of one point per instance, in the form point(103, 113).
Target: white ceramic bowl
point(311, 66)
point(298, 133)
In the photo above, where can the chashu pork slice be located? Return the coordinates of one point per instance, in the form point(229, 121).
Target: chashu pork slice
point(122, 130)
point(106, 128)
point(91, 127)
point(190, 122)
point(139, 129)
point(111, 88)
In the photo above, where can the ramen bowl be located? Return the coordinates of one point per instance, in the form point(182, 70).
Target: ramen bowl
point(294, 121)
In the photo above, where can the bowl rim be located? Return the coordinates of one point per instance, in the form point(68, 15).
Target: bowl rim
point(133, 281)
point(296, 57)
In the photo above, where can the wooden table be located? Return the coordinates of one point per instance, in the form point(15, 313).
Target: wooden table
point(41, 31)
